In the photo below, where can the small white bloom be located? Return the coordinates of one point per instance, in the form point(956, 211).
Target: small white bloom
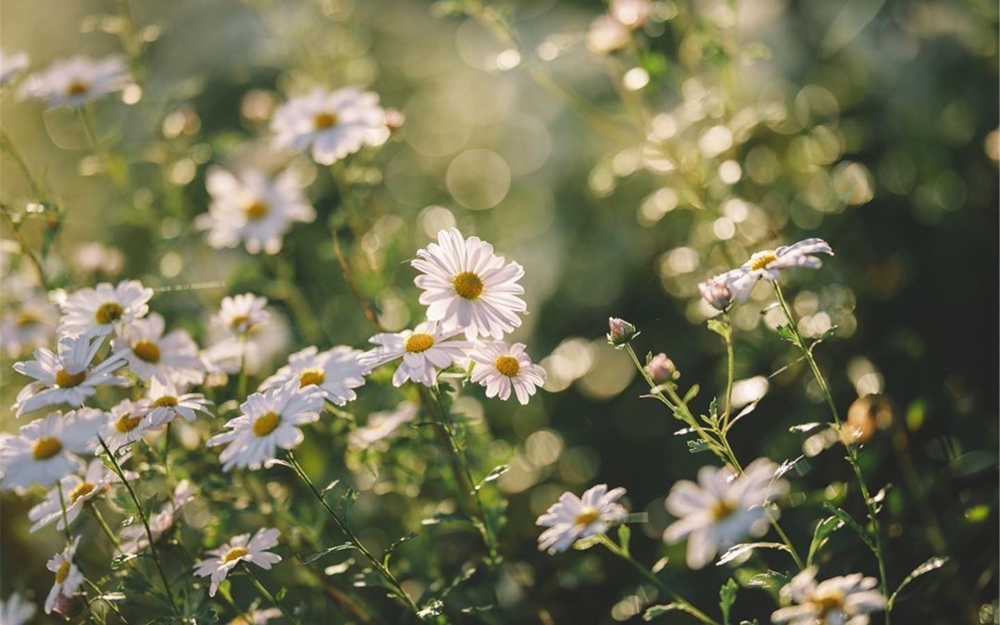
point(66, 377)
point(335, 123)
point(28, 326)
point(126, 423)
point(268, 421)
point(467, 286)
point(134, 538)
point(10, 66)
point(381, 426)
point(573, 518)
point(336, 372)
point(425, 350)
point(722, 508)
point(68, 576)
point(241, 548)
point(73, 491)
point(94, 258)
point(74, 82)
point(45, 450)
point(253, 209)
point(101, 310)
point(500, 368)
point(240, 314)
point(845, 600)
point(151, 355)
point(167, 401)
point(16, 610)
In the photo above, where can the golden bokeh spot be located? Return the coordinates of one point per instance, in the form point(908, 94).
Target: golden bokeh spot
point(109, 312)
point(64, 379)
point(257, 211)
point(126, 423)
point(26, 319)
point(587, 516)
point(63, 572)
point(311, 376)
point(233, 554)
point(468, 285)
point(325, 120)
point(46, 447)
point(266, 423)
point(722, 509)
point(84, 489)
point(762, 259)
point(167, 401)
point(147, 351)
point(507, 365)
point(77, 87)
point(419, 342)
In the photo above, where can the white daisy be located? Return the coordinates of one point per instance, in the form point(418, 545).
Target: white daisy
point(573, 518)
point(722, 509)
point(845, 600)
point(16, 610)
point(241, 548)
point(500, 368)
point(94, 258)
point(335, 123)
point(66, 377)
point(44, 451)
point(425, 350)
point(166, 402)
point(268, 421)
point(336, 372)
point(101, 310)
point(28, 326)
point(151, 355)
point(256, 617)
point(74, 82)
point(240, 314)
point(126, 423)
point(381, 426)
point(467, 286)
point(10, 66)
point(134, 538)
point(73, 491)
point(68, 577)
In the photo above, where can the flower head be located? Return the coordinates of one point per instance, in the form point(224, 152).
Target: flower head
point(425, 350)
point(336, 372)
point(73, 491)
point(241, 548)
point(28, 326)
point(334, 123)
point(101, 310)
point(468, 287)
point(573, 518)
point(845, 600)
point(126, 423)
point(68, 577)
point(501, 368)
point(151, 355)
point(74, 82)
point(168, 401)
point(46, 449)
point(620, 331)
point(243, 313)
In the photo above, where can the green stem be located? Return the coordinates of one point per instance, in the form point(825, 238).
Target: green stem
point(116, 170)
point(65, 516)
point(15, 153)
point(100, 597)
point(104, 525)
point(23, 243)
point(241, 387)
point(730, 371)
point(266, 593)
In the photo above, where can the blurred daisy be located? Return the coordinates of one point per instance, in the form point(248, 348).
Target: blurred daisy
point(500, 368)
point(16, 610)
point(254, 351)
point(94, 258)
point(241, 548)
point(126, 423)
point(66, 377)
point(240, 314)
point(381, 426)
point(134, 538)
point(335, 371)
point(424, 350)
point(74, 82)
point(68, 577)
point(10, 66)
point(335, 123)
point(268, 421)
point(256, 617)
point(73, 491)
point(166, 402)
point(253, 209)
point(151, 355)
point(843, 600)
point(44, 451)
point(573, 518)
point(28, 326)
point(722, 509)
point(467, 286)
point(101, 310)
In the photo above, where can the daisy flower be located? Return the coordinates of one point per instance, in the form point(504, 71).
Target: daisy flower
point(845, 600)
point(45, 450)
point(66, 377)
point(29, 326)
point(241, 548)
point(335, 123)
point(126, 423)
point(381, 426)
point(722, 508)
point(167, 402)
point(74, 491)
point(68, 577)
point(500, 368)
point(101, 310)
point(74, 82)
point(335, 371)
point(241, 314)
point(134, 538)
point(253, 209)
point(16, 610)
point(151, 355)
point(256, 617)
point(425, 350)
point(268, 421)
point(573, 518)
point(10, 66)
point(94, 258)
point(467, 286)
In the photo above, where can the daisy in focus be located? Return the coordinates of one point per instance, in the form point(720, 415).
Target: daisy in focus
point(722, 508)
point(239, 549)
point(16, 610)
point(845, 600)
point(74, 82)
point(151, 355)
point(126, 423)
point(167, 402)
point(68, 578)
point(335, 124)
point(75, 491)
point(253, 209)
point(45, 450)
point(268, 421)
point(336, 372)
point(101, 310)
point(501, 368)
point(573, 518)
point(466, 286)
point(10, 66)
point(425, 350)
point(133, 537)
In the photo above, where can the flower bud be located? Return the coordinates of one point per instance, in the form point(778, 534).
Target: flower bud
point(661, 369)
point(621, 331)
point(717, 294)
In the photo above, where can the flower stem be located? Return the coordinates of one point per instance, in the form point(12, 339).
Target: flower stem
point(730, 371)
point(266, 593)
point(104, 525)
point(65, 516)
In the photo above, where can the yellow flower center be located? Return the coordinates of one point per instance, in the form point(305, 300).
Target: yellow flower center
point(762, 259)
point(419, 342)
point(587, 516)
point(78, 87)
point(257, 211)
point(266, 423)
point(507, 365)
point(167, 401)
point(233, 554)
point(826, 602)
point(311, 376)
point(64, 379)
point(46, 447)
point(82, 490)
point(109, 312)
point(63, 572)
point(25, 319)
point(147, 351)
point(722, 509)
point(126, 423)
point(242, 320)
point(322, 121)
point(468, 285)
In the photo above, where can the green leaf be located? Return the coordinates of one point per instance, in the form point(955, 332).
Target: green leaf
point(823, 530)
point(786, 333)
point(624, 535)
point(850, 522)
point(771, 580)
point(393, 546)
point(330, 487)
point(692, 393)
point(281, 594)
point(738, 550)
point(434, 608)
point(656, 611)
point(931, 565)
point(713, 408)
point(727, 597)
point(697, 446)
point(446, 517)
point(494, 475)
point(320, 554)
point(718, 326)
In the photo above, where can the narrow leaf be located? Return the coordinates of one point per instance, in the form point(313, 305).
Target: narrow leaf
point(692, 393)
point(320, 554)
point(697, 446)
point(824, 528)
point(656, 611)
point(738, 550)
point(494, 475)
point(727, 597)
point(931, 565)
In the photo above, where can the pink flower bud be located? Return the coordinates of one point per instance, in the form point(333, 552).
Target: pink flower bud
point(661, 369)
point(621, 331)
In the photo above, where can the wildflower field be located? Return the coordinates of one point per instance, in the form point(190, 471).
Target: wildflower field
point(556, 312)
